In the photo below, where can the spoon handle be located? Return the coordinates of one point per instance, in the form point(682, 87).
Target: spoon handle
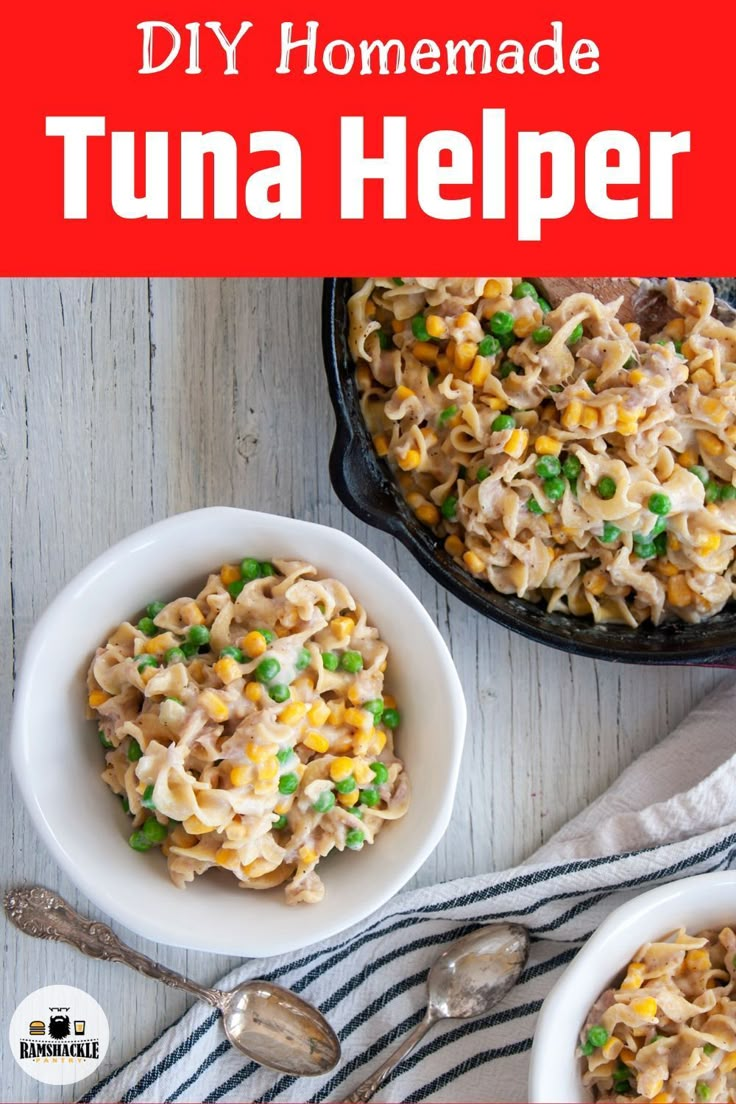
point(38, 912)
point(372, 1084)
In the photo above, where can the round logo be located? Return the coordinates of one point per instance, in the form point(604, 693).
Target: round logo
point(59, 1035)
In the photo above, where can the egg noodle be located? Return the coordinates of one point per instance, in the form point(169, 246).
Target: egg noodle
point(668, 1032)
point(560, 457)
point(247, 728)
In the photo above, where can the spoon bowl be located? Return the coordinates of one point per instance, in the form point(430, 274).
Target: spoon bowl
point(477, 971)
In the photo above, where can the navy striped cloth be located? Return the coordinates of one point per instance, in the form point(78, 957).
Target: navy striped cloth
point(677, 805)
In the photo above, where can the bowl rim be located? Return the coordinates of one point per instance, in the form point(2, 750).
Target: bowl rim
point(349, 461)
point(556, 1005)
point(117, 907)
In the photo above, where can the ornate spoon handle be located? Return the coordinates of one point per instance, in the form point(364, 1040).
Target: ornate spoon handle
point(45, 915)
point(372, 1084)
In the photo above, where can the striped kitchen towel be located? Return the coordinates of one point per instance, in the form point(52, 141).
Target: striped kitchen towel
point(671, 814)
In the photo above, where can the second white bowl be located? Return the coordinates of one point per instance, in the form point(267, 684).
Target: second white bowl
point(57, 759)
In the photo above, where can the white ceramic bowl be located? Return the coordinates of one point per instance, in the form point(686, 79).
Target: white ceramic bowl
point(703, 901)
point(57, 759)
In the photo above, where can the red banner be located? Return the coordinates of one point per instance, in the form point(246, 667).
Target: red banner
point(309, 138)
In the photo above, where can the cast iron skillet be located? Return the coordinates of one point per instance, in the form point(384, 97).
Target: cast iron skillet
point(365, 485)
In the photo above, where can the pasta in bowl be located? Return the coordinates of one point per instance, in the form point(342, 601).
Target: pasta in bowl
point(559, 457)
point(247, 728)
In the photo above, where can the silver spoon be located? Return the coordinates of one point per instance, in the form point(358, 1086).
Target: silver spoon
point(465, 982)
point(269, 1024)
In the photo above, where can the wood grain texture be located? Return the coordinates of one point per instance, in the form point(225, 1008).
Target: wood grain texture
point(124, 401)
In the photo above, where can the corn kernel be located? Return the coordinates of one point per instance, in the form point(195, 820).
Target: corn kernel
point(454, 546)
point(253, 691)
point(492, 289)
point(254, 644)
point(157, 645)
point(342, 627)
point(709, 443)
point(688, 458)
point(401, 393)
point(268, 770)
point(225, 856)
point(410, 460)
point(380, 444)
point(636, 376)
point(396, 325)
point(227, 670)
point(358, 718)
point(304, 685)
point(715, 410)
point(240, 775)
point(425, 352)
point(698, 959)
point(480, 372)
point(662, 1098)
point(633, 329)
point(497, 404)
point(307, 855)
point(589, 417)
point(195, 827)
point(258, 753)
point(191, 614)
point(596, 585)
point(229, 573)
point(435, 326)
point(679, 593)
point(362, 773)
point(428, 514)
point(257, 868)
point(213, 705)
point(628, 422)
point(656, 1087)
point(465, 354)
point(97, 698)
point(379, 741)
point(627, 1055)
point(547, 446)
point(282, 808)
point(315, 741)
point(319, 713)
point(337, 713)
point(709, 544)
point(728, 1063)
point(645, 1006)
point(524, 326)
point(349, 799)
point(703, 379)
point(633, 977)
point(473, 563)
point(571, 414)
point(292, 713)
point(517, 442)
point(668, 569)
point(341, 768)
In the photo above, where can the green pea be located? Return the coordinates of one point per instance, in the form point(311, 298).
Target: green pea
point(632, 362)
point(571, 467)
point(279, 823)
point(702, 1091)
point(586, 1049)
point(503, 422)
point(354, 839)
point(419, 327)
point(712, 491)
point(446, 414)
point(170, 697)
point(543, 335)
point(235, 588)
point(250, 569)
point(375, 706)
point(380, 772)
point(701, 473)
point(266, 569)
point(659, 526)
point(575, 336)
point(231, 652)
point(104, 740)
point(728, 493)
point(288, 783)
point(398, 281)
point(449, 507)
point(391, 718)
point(501, 323)
point(383, 339)
point(547, 466)
point(356, 811)
point(174, 655)
point(370, 797)
point(267, 669)
point(303, 659)
point(199, 635)
point(606, 487)
point(462, 471)
point(678, 346)
point(267, 635)
point(189, 650)
point(146, 661)
point(153, 609)
point(483, 473)
point(546, 307)
point(525, 290)
point(707, 1049)
point(134, 751)
point(147, 799)
point(324, 802)
point(489, 346)
point(279, 692)
point(147, 626)
point(330, 661)
point(534, 506)
point(126, 804)
point(597, 1036)
point(139, 842)
point(284, 755)
point(645, 549)
point(660, 543)
point(610, 532)
point(155, 832)
point(346, 785)
point(660, 504)
point(554, 488)
point(352, 662)
point(506, 369)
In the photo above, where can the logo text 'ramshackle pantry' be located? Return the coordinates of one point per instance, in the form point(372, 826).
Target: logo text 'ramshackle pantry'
point(59, 1035)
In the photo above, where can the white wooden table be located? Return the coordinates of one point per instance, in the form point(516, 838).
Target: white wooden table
point(124, 401)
